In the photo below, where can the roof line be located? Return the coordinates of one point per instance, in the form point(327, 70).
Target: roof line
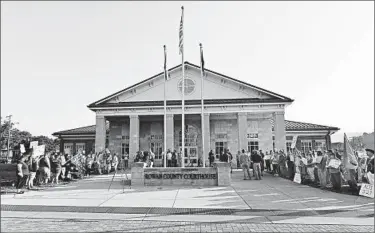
point(127, 88)
point(195, 66)
point(242, 82)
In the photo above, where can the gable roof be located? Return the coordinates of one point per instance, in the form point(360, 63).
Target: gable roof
point(289, 126)
point(278, 96)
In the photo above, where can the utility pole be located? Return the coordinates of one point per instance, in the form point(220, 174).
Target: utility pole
point(9, 134)
point(10, 126)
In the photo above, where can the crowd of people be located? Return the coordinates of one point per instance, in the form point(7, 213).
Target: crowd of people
point(314, 167)
point(54, 166)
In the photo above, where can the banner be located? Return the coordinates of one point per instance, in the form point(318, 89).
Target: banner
point(367, 190)
point(33, 144)
point(22, 148)
point(297, 178)
point(294, 142)
point(38, 151)
point(334, 163)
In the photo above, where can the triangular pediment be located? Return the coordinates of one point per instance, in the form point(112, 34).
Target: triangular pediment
point(215, 86)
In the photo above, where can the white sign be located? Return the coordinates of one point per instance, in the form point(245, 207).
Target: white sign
point(294, 142)
point(304, 161)
point(33, 144)
point(67, 151)
point(367, 190)
point(22, 148)
point(38, 151)
point(297, 178)
point(319, 159)
point(334, 163)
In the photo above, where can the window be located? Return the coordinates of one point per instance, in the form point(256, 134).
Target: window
point(320, 144)
point(306, 146)
point(252, 135)
point(252, 145)
point(288, 146)
point(80, 147)
point(157, 149)
point(190, 139)
point(124, 148)
point(68, 148)
point(189, 86)
point(219, 148)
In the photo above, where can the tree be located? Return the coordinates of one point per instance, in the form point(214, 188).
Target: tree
point(16, 136)
point(51, 144)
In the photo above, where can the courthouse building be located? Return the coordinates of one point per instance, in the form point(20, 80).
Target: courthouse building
point(237, 116)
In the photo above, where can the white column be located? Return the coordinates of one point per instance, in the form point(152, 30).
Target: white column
point(133, 137)
point(242, 131)
point(100, 134)
point(279, 129)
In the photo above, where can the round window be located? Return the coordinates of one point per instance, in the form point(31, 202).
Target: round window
point(189, 86)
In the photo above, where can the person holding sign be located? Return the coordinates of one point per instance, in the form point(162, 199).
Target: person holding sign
point(322, 168)
point(334, 170)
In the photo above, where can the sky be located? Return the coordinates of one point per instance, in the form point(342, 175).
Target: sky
point(58, 57)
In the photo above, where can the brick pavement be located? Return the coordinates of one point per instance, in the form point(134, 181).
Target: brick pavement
point(71, 225)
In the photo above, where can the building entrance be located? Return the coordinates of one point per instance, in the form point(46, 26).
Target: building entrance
point(191, 156)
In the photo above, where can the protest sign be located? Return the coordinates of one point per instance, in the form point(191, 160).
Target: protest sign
point(294, 142)
point(304, 161)
point(334, 163)
point(367, 190)
point(38, 151)
point(33, 144)
point(22, 148)
point(297, 178)
point(319, 159)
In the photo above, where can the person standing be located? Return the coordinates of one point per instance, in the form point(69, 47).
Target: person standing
point(334, 172)
point(245, 162)
point(33, 168)
point(152, 158)
point(322, 169)
point(267, 158)
point(230, 158)
point(211, 158)
point(45, 168)
point(275, 162)
point(262, 162)
point(174, 158)
point(22, 174)
point(257, 159)
point(55, 167)
point(169, 158)
point(224, 157)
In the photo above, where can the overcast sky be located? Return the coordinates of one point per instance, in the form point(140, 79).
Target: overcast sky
point(58, 57)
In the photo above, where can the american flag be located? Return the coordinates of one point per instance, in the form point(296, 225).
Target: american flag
point(165, 63)
point(202, 60)
point(181, 33)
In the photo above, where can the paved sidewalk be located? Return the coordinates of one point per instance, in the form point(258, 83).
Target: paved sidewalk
point(97, 225)
point(272, 204)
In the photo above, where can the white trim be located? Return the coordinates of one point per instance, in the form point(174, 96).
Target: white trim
point(141, 83)
point(246, 84)
point(179, 106)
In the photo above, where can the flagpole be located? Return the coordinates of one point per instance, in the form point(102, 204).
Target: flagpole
point(183, 94)
point(202, 107)
point(165, 106)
